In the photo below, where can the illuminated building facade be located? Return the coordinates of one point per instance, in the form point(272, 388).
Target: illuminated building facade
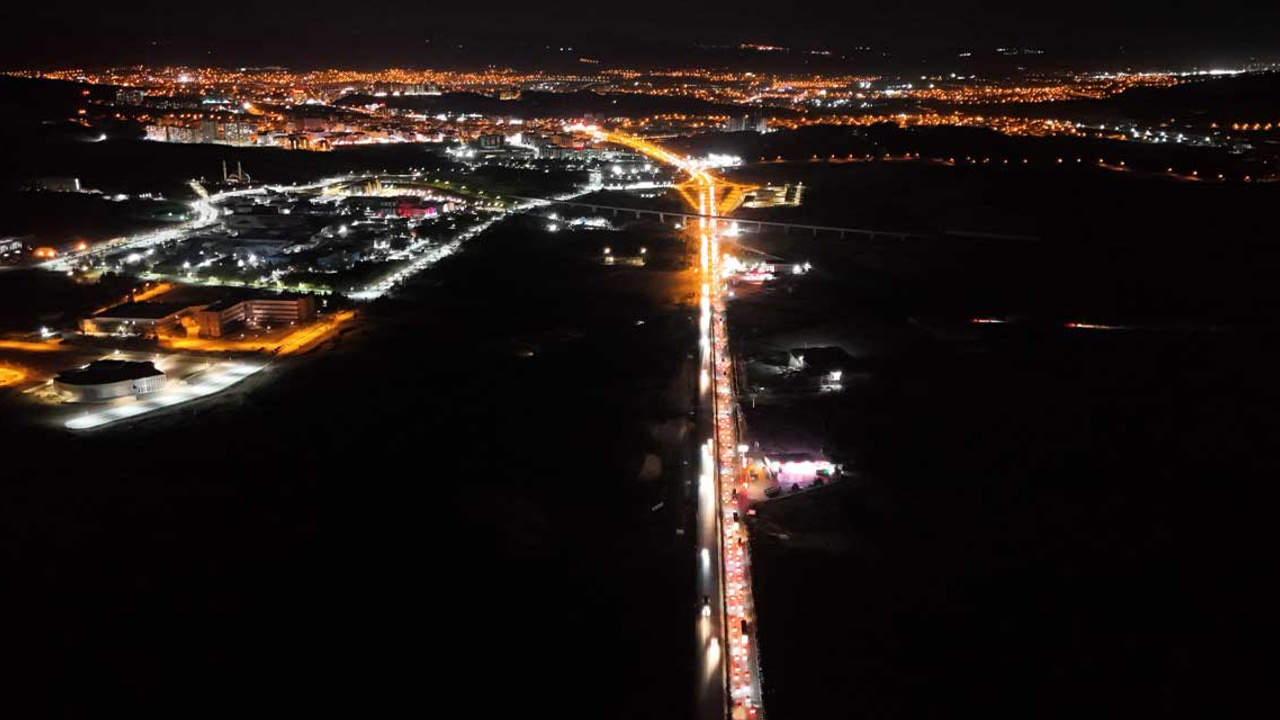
point(110, 379)
point(216, 319)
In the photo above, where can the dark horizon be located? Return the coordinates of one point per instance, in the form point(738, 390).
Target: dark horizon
point(326, 34)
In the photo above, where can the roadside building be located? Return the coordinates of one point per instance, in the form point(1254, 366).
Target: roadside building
point(774, 196)
point(791, 470)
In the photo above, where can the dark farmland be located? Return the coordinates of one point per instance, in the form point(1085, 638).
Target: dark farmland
point(1100, 245)
point(1045, 521)
point(1073, 202)
point(1056, 525)
point(442, 511)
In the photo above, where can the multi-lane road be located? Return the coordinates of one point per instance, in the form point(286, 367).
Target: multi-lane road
point(729, 683)
point(741, 661)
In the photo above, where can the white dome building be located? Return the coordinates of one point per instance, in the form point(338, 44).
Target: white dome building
point(110, 379)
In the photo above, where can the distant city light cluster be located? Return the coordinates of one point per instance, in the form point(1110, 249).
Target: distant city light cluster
point(1050, 90)
point(1008, 125)
point(331, 108)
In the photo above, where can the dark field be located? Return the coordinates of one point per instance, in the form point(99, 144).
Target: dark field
point(1105, 245)
point(443, 512)
point(32, 298)
point(1079, 203)
point(60, 219)
point(1045, 521)
point(1049, 525)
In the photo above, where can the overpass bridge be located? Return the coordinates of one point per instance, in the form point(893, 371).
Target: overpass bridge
point(692, 217)
point(338, 185)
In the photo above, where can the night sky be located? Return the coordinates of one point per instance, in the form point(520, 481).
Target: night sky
point(326, 32)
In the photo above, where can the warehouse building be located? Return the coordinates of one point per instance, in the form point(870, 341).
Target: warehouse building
point(134, 318)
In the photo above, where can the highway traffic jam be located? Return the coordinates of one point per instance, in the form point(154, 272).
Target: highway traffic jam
point(723, 480)
point(742, 668)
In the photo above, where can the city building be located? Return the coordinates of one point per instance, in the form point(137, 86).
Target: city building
point(217, 319)
point(104, 380)
point(228, 133)
point(171, 133)
point(130, 96)
point(745, 123)
point(206, 131)
point(491, 141)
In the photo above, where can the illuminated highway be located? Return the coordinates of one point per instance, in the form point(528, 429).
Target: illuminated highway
point(730, 679)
